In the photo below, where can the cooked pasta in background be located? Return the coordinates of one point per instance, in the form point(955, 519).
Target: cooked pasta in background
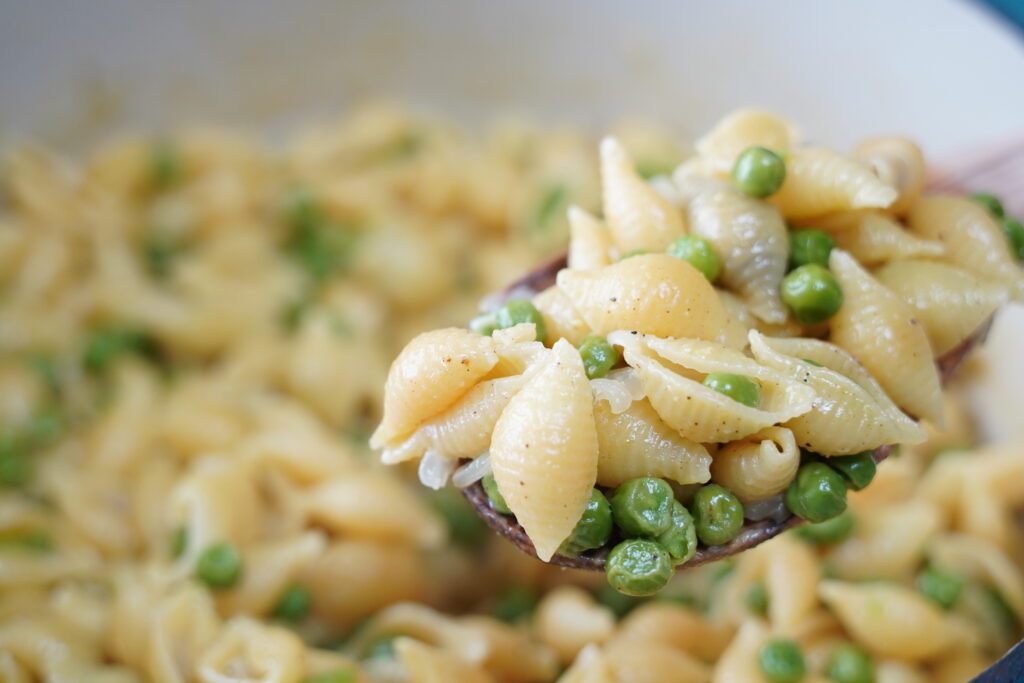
point(196, 331)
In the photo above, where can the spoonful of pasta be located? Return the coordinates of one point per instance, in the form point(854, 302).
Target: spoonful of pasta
point(720, 358)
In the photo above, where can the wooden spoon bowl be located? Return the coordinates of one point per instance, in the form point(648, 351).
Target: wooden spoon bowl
point(753, 532)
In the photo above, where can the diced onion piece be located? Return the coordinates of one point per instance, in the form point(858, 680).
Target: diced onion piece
point(473, 471)
point(435, 469)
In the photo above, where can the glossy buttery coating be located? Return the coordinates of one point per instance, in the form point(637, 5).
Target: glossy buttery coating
point(753, 533)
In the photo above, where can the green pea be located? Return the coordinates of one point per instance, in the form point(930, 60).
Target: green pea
point(46, 427)
point(106, 345)
point(643, 506)
point(759, 172)
point(179, 539)
point(34, 541)
point(638, 567)
point(301, 208)
point(809, 246)
point(219, 566)
point(593, 529)
point(598, 356)
point(990, 202)
point(699, 253)
point(756, 598)
point(941, 586)
point(293, 605)
point(858, 469)
point(166, 166)
point(849, 664)
point(494, 497)
point(159, 252)
point(484, 324)
point(15, 464)
point(323, 249)
point(619, 603)
point(1014, 232)
point(514, 604)
point(717, 513)
point(817, 492)
point(382, 648)
point(464, 526)
point(781, 661)
point(332, 676)
point(739, 388)
point(521, 311)
point(680, 539)
point(830, 531)
point(811, 294)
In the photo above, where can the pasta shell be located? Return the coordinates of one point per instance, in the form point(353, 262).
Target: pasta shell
point(569, 618)
point(645, 662)
point(678, 626)
point(881, 332)
point(544, 450)
point(821, 181)
point(426, 664)
point(899, 163)
point(741, 129)
point(980, 560)
point(972, 238)
point(637, 443)
point(750, 238)
point(890, 620)
point(758, 466)
point(464, 430)
point(699, 412)
point(373, 506)
point(792, 574)
point(430, 374)
point(266, 653)
point(739, 662)
point(653, 293)
point(589, 241)
point(561, 317)
point(875, 238)
point(950, 302)
point(888, 542)
point(638, 217)
point(425, 625)
point(851, 413)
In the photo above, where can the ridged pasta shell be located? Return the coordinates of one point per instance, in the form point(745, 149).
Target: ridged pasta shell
point(875, 238)
point(758, 466)
point(899, 163)
point(544, 450)
point(430, 374)
point(589, 240)
point(741, 129)
point(950, 302)
point(821, 181)
point(638, 217)
point(653, 293)
point(637, 443)
point(561, 317)
point(425, 663)
point(750, 238)
point(851, 413)
point(699, 412)
point(880, 331)
point(972, 238)
point(464, 430)
point(890, 620)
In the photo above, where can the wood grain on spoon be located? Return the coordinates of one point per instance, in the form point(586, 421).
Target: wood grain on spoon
point(753, 533)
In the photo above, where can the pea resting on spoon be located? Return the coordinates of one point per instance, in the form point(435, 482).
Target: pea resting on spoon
point(639, 533)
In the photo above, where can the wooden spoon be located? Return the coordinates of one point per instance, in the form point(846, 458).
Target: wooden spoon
point(753, 532)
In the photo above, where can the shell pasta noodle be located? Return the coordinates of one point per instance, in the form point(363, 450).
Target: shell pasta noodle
point(220, 397)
